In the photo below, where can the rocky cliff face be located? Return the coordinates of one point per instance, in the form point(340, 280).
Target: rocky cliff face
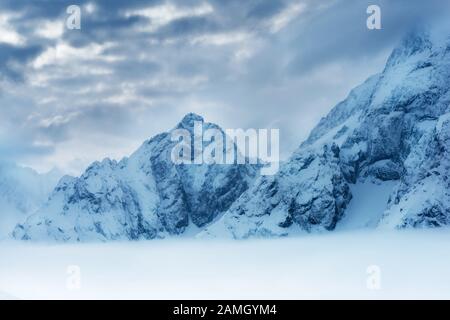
point(141, 197)
point(394, 127)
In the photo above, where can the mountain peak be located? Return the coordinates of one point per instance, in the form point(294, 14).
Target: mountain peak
point(415, 42)
point(189, 119)
point(145, 196)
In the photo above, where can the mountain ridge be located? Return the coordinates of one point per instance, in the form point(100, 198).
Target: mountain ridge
point(385, 130)
point(144, 196)
point(392, 131)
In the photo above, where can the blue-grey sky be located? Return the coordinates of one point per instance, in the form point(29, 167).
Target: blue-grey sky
point(69, 97)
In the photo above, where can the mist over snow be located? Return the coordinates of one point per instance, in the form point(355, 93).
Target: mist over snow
point(334, 266)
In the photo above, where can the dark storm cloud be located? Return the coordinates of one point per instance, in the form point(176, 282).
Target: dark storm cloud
point(130, 72)
point(36, 9)
point(104, 29)
point(13, 59)
point(188, 26)
point(54, 8)
point(227, 16)
point(106, 24)
point(340, 32)
point(254, 9)
point(265, 9)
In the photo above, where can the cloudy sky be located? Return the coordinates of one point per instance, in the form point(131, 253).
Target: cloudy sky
point(68, 97)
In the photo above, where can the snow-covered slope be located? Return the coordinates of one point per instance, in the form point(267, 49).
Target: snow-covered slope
point(141, 197)
point(393, 131)
point(22, 191)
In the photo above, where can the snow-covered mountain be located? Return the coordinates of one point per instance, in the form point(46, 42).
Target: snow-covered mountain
point(22, 191)
point(387, 146)
point(144, 196)
point(380, 158)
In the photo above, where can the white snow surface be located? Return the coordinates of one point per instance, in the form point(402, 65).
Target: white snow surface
point(413, 264)
point(368, 204)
